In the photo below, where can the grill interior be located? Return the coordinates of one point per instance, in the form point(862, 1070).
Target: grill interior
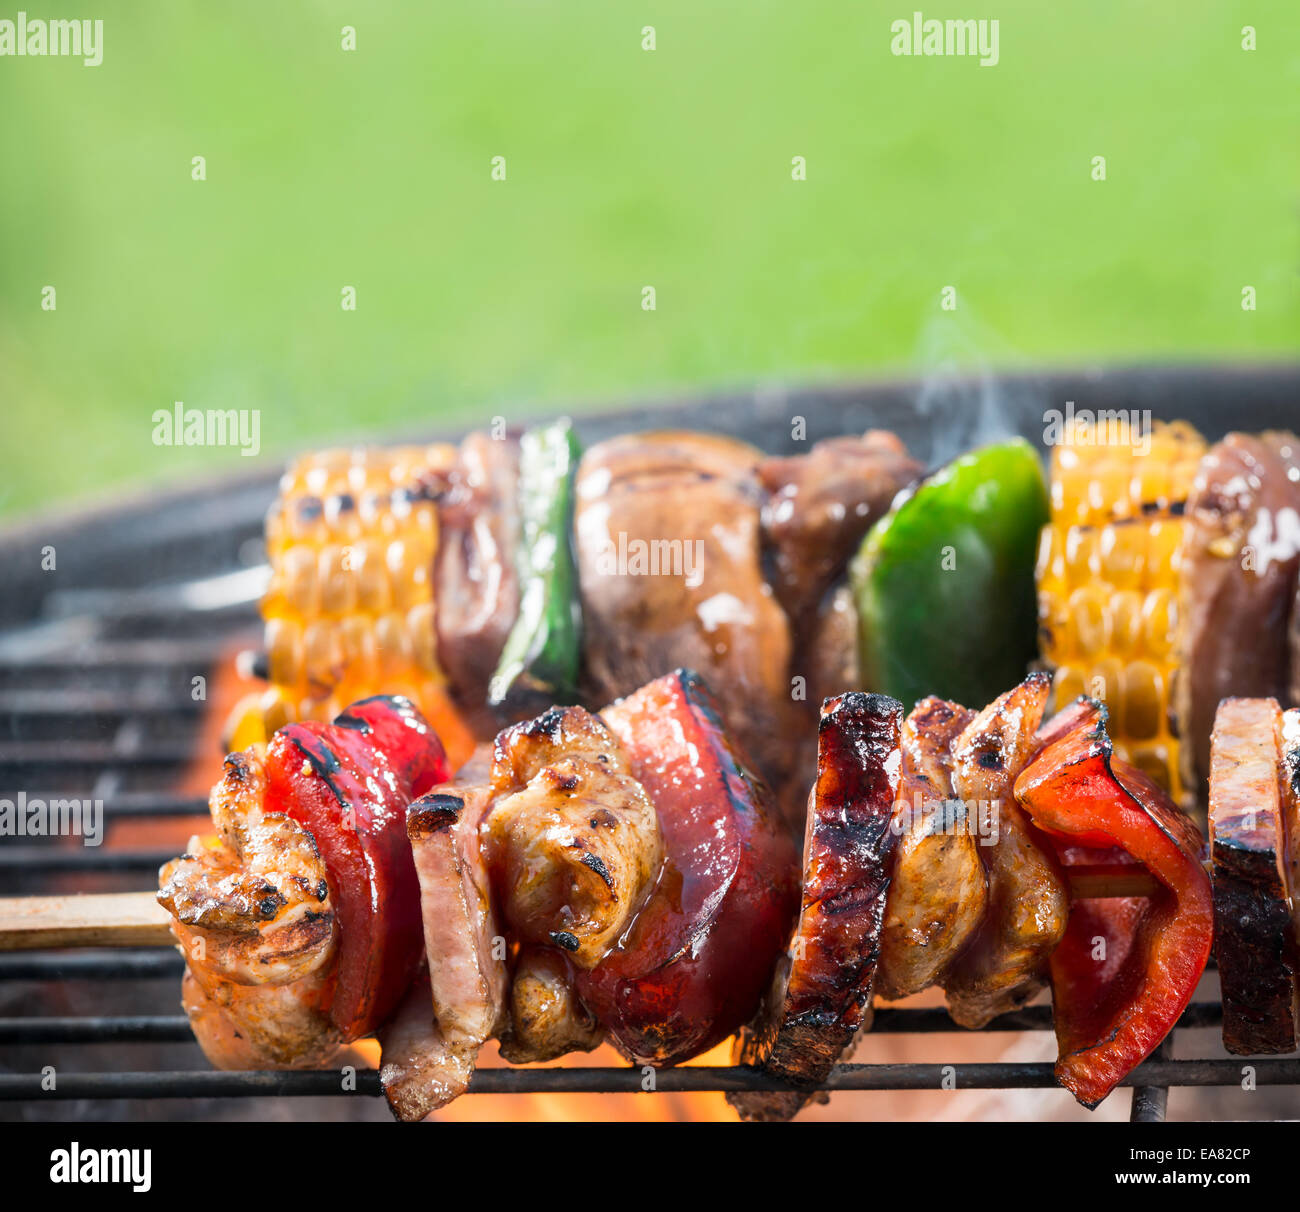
point(98, 658)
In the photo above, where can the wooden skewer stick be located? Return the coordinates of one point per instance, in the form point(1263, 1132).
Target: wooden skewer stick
point(114, 919)
point(135, 919)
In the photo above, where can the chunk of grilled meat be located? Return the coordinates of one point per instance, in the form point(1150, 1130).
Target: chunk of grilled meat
point(546, 1018)
point(821, 993)
point(1254, 938)
point(430, 1047)
point(467, 970)
point(1028, 902)
point(938, 891)
point(421, 1070)
point(476, 584)
point(575, 841)
point(1238, 583)
point(1293, 646)
point(819, 506)
point(1291, 807)
point(253, 916)
point(668, 546)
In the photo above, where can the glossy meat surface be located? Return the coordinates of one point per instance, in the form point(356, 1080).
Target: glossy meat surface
point(476, 584)
point(254, 918)
point(1238, 582)
point(574, 838)
point(939, 890)
point(821, 994)
point(669, 556)
point(1028, 900)
point(819, 506)
point(546, 1018)
point(1254, 940)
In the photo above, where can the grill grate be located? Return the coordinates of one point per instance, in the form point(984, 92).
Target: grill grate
point(97, 660)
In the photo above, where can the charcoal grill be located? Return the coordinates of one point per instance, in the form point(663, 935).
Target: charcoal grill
point(97, 661)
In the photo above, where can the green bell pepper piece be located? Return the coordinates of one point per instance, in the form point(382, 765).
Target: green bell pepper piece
point(944, 582)
point(539, 661)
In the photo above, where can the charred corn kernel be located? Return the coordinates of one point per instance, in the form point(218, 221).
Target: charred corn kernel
point(1107, 584)
point(349, 608)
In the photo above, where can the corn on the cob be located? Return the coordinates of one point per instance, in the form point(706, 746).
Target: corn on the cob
point(349, 609)
point(1108, 585)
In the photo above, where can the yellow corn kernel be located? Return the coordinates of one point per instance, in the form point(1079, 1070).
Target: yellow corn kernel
point(349, 608)
point(1108, 585)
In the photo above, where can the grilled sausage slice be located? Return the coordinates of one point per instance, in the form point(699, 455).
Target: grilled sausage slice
point(1028, 905)
point(822, 991)
point(1253, 930)
point(939, 891)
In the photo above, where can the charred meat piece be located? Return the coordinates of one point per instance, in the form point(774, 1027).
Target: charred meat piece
point(819, 506)
point(1028, 906)
point(938, 892)
point(1238, 583)
point(1293, 643)
point(546, 1018)
point(575, 841)
point(476, 583)
point(668, 546)
point(1253, 936)
point(822, 991)
point(694, 963)
point(1291, 807)
point(927, 738)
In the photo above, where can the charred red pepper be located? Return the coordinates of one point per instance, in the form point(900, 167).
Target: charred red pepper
point(1114, 1006)
point(698, 957)
point(349, 783)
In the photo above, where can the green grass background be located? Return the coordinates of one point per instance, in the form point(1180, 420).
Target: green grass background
point(625, 168)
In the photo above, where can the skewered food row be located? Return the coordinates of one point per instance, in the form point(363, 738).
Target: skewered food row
point(488, 580)
point(623, 876)
point(989, 924)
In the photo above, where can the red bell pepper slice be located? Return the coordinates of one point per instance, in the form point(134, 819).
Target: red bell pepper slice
point(1113, 1008)
point(348, 783)
point(698, 957)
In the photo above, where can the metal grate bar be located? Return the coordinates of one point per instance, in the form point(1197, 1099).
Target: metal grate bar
point(74, 701)
point(687, 1079)
point(148, 655)
point(927, 1021)
point(97, 754)
point(43, 859)
point(144, 963)
point(141, 1028)
point(1151, 1103)
point(135, 804)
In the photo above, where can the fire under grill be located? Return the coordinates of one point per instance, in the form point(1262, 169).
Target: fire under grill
point(105, 663)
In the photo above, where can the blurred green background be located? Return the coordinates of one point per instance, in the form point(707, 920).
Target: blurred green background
point(625, 168)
